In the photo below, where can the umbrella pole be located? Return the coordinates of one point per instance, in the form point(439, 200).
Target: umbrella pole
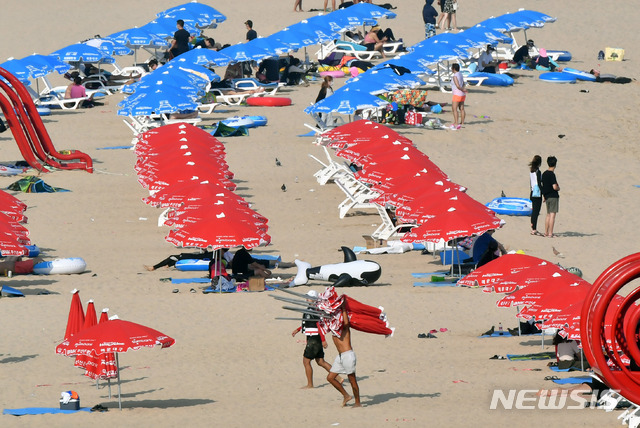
point(109, 384)
point(119, 397)
point(519, 331)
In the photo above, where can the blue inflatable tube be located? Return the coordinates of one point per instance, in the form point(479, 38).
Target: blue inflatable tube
point(564, 56)
point(258, 120)
point(493, 79)
point(579, 74)
point(511, 206)
point(557, 77)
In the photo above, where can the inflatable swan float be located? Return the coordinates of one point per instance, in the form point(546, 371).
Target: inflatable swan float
point(358, 272)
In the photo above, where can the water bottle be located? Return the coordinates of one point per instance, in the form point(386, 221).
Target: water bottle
point(500, 327)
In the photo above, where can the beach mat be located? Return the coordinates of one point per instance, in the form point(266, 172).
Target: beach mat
point(311, 133)
point(538, 356)
point(41, 411)
point(190, 280)
point(435, 284)
point(428, 274)
point(6, 291)
point(497, 334)
point(556, 369)
point(114, 147)
point(572, 380)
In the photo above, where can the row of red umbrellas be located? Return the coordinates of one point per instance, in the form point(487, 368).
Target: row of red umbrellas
point(185, 170)
point(408, 180)
point(13, 234)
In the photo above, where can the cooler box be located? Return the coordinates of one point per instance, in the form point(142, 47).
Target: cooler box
point(71, 405)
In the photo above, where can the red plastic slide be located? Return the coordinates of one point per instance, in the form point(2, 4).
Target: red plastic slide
point(33, 140)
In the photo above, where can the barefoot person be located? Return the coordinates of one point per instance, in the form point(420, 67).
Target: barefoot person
point(315, 343)
point(550, 189)
point(345, 363)
point(459, 95)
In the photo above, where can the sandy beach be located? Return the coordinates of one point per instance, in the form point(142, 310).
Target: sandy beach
point(233, 364)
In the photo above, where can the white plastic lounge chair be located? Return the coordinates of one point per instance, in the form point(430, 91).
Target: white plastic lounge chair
point(330, 170)
point(387, 229)
point(631, 416)
point(229, 99)
point(56, 100)
point(250, 84)
point(348, 48)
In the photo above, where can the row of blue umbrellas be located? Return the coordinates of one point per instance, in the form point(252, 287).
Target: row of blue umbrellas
point(357, 92)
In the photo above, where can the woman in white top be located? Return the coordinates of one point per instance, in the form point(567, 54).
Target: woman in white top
point(535, 195)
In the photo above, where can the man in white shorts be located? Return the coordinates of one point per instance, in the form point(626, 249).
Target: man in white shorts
point(345, 363)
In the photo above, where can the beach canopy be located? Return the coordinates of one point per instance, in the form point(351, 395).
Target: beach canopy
point(346, 101)
point(486, 276)
point(109, 47)
point(205, 14)
point(81, 52)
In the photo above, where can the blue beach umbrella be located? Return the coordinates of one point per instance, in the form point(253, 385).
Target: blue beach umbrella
point(293, 39)
point(81, 52)
point(109, 47)
point(205, 12)
point(504, 23)
point(533, 18)
point(44, 64)
point(19, 70)
point(412, 61)
point(137, 37)
point(179, 85)
point(246, 52)
point(271, 45)
point(192, 22)
point(384, 80)
point(346, 101)
point(481, 36)
point(163, 28)
point(314, 30)
point(204, 57)
point(157, 102)
point(371, 10)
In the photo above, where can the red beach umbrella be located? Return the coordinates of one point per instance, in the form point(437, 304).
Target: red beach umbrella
point(360, 130)
point(113, 336)
point(11, 245)
point(560, 289)
point(191, 193)
point(499, 269)
point(194, 214)
point(104, 316)
point(219, 231)
point(180, 176)
point(146, 164)
point(75, 322)
point(395, 167)
point(11, 203)
point(460, 219)
point(173, 173)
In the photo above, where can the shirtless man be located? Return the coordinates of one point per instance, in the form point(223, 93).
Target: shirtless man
point(345, 363)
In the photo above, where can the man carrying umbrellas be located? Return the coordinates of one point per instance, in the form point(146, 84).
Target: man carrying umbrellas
point(346, 360)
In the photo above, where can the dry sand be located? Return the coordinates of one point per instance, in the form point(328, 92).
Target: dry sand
point(233, 365)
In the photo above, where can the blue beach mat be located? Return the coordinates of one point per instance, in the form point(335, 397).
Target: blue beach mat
point(497, 334)
point(41, 411)
point(10, 292)
point(190, 280)
point(579, 379)
point(556, 369)
point(311, 133)
point(114, 147)
point(428, 274)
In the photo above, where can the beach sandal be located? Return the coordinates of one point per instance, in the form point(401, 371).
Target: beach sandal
point(551, 378)
point(175, 290)
point(193, 290)
point(498, 357)
point(99, 408)
point(536, 233)
point(551, 236)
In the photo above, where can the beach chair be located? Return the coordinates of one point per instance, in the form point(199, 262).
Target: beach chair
point(390, 48)
point(347, 48)
point(359, 195)
point(330, 170)
point(249, 84)
point(56, 100)
point(631, 416)
point(387, 229)
point(228, 98)
point(325, 122)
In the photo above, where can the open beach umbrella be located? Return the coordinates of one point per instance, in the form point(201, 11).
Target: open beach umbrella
point(138, 38)
point(156, 102)
point(293, 39)
point(480, 36)
point(205, 12)
point(194, 215)
point(361, 131)
point(113, 336)
point(203, 57)
point(11, 245)
point(42, 65)
point(75, 321)
point(9, 204)
point(81, 52)
point(498, 269)
point(181, 194)
point(221, 230)
point(19, 70)
point(246, 52)
point(346, 101)
point(109, 47)
point(272, 45)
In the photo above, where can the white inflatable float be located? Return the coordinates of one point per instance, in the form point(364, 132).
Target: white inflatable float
point(60, 266)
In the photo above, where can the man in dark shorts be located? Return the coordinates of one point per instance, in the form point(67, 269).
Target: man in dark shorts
point(315, 343)
point(550, 195)
point(180, 42)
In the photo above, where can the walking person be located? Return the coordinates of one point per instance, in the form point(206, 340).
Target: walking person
point(316, 343)
point(345, 363)
point(550, 189)
point(535, 181)
point(459, 91)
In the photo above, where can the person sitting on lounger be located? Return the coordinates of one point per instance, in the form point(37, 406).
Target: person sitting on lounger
point(243, 264)
point(184, 114)
point(521, 56)
point(486, 63)
point(373, 42)
point(76, 90)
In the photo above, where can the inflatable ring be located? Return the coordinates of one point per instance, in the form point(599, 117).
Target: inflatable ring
point(269, 101)
point(334, 73)
point(511, 206)
point(557, 77)
point(44, 111)
point(579, 74)
point(60, 266)
point(259, 120)
point(237, 121)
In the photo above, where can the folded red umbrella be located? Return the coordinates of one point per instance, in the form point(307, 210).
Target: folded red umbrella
point(75, 321)
point(194, 173)
point(191, 193)
point(193, 214)
point(361, 130)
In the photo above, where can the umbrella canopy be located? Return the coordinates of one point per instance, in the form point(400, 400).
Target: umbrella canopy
point(136, 38)
point(197, 212)
point(181, 194)
point(109, 47)
point(81, 52)
point(113, 336)
point(272, 45)
point(361, 131)
point(220, 230)
point(247, 52)
point(384, 80)
point(156, 102)
point(295, 40)
point(204, 57)
point(346, 101)
point(498, 269)
point(19, 70)
point(204, 12)
point(459, 220)
point(75, 322)
point(42, 65)
point(11, 245)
